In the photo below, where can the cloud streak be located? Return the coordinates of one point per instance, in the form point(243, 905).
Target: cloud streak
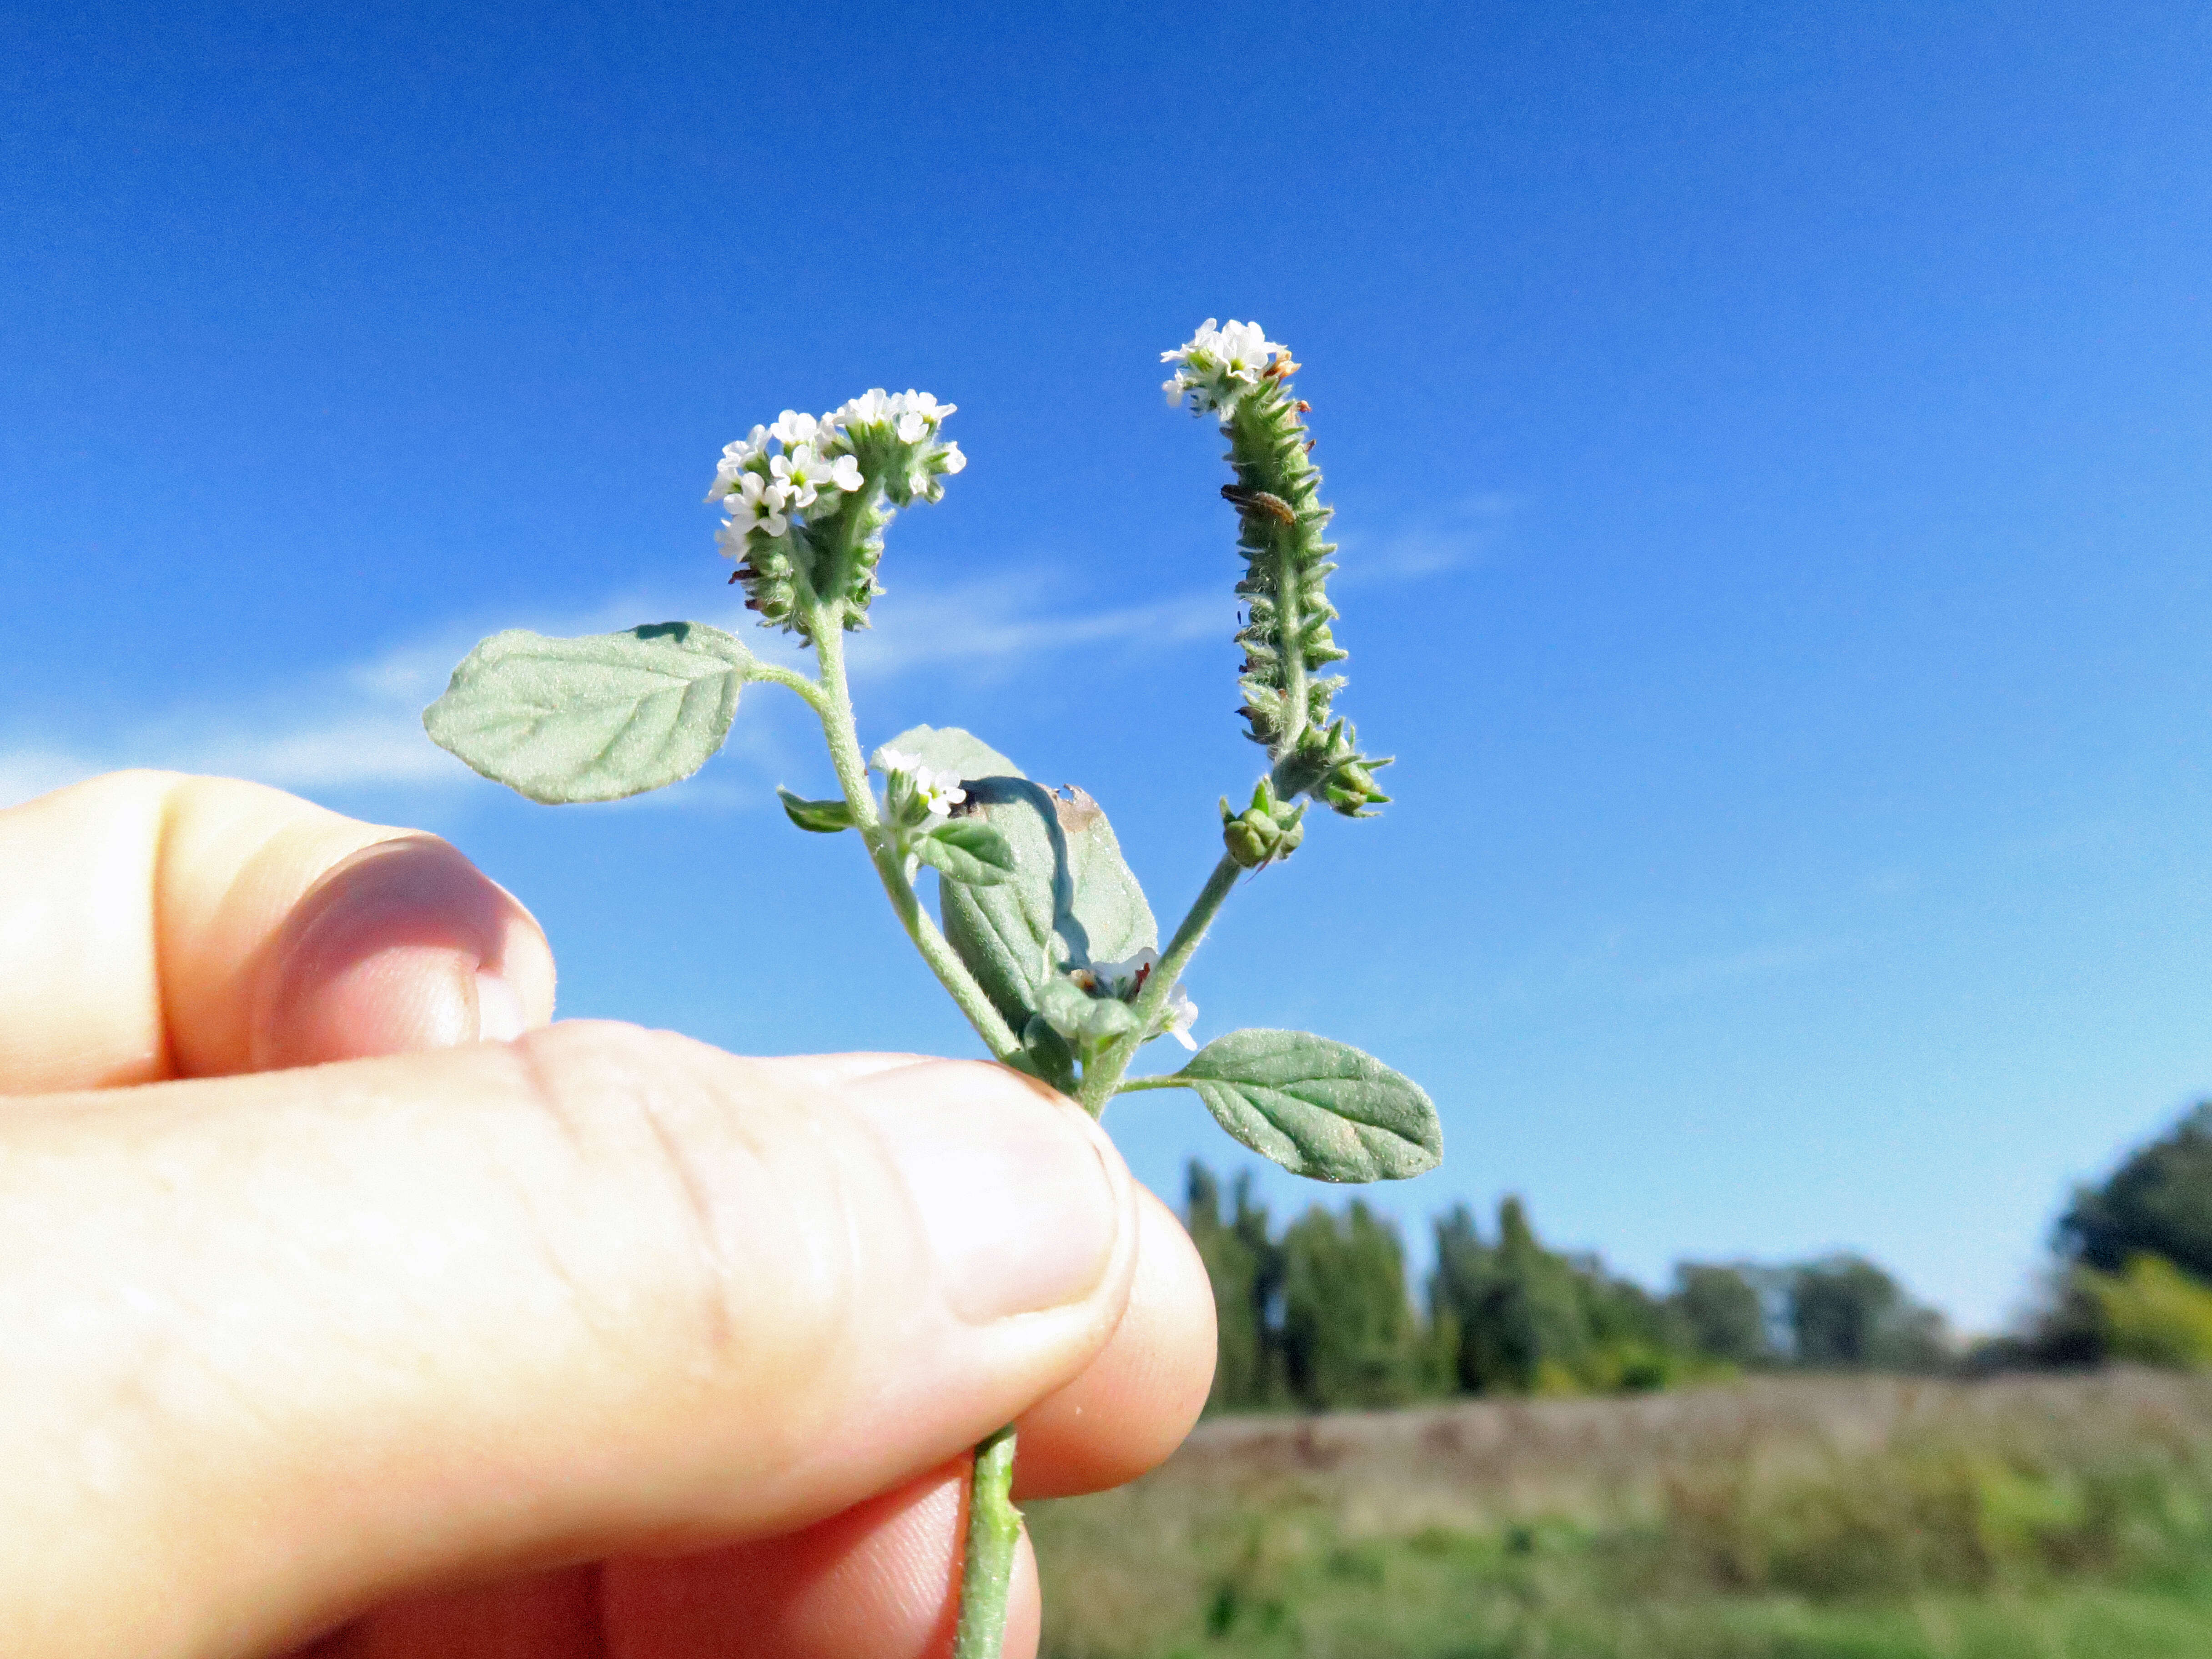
point(359, 727)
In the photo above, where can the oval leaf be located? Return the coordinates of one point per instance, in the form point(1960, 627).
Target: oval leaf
point(1071, 902)
point(1315, 1106)
point(967, 849)
point(824, 818)
point(948, 749)
point(596, 718)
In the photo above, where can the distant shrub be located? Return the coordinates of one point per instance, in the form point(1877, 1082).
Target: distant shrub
point(2151, 1311)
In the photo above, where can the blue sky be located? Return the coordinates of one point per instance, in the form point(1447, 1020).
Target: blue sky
point(1769, 449)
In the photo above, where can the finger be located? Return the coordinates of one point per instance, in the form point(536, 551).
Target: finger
point(878, 1582)
point(403, 1322)
point(201, 927)
point(1133, 1404)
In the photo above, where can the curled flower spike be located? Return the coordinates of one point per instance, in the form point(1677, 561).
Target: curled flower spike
point(840, 476)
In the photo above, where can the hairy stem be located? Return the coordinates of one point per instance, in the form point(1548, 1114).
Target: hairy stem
point(1104, 1077)
point(986, 1569)
point(833, 702)
point(769, 673)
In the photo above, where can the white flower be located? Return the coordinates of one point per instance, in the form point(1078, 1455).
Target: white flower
point(918, 414)
point(939, 791)
point(1220, 365)
point(734, 458)
point(845, 474)
point(1182, 1014)
point(953, 459)
point(794, 428)
point(871, 408)
point(1244, 352)
point(756, 504)
point(802, 473)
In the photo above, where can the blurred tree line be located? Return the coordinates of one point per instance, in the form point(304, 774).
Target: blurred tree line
point(1319, 1315)
point(2135, 1278)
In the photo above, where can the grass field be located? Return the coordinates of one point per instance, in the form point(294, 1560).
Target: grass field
point(1877, 1518)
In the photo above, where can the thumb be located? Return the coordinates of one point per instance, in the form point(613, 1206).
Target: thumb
point(282, 1345)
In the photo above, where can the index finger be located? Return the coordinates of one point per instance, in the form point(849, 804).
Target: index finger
point(160, 925)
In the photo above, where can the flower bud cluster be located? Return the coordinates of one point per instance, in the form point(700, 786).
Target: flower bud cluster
point(803, 499)
point(1243, 378)
point(1268, 829)
point(1327, 763)
point(1108, 987)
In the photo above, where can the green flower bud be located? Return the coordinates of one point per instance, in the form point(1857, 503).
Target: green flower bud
point(1263, 832)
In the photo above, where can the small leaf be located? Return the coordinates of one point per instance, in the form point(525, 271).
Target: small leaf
point(967, 850)
point(824, 818)
point(591, 719)
point(1045, 1053)
point(1071, 901)
point(1316, 1107)
point(1075, 1014)
point(948, 749)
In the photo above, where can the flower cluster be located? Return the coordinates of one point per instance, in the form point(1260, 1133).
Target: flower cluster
point(801, 495)
point(915, 794)
point(1220, 366)
point(1121, 981)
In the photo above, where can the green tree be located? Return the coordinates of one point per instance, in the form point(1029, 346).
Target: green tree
point(1847, 1314)
point(1525, 1318)
point(1721, 1314)
point(2158, 1202)
point(1350, 1336)
point(1245, 1266)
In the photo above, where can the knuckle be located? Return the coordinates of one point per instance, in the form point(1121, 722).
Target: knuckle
point(738, 1205)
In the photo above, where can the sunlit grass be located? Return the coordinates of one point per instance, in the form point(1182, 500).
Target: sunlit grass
point(2059, 1518)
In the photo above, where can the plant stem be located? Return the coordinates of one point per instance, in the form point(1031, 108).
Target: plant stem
point(986, 1568)
point(833, 702)
point(1100, 1081)
point(772, 675)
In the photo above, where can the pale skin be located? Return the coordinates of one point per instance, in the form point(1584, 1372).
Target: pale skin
point(353, 1310)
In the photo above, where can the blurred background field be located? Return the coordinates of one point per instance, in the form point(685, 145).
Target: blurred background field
point(1872, 1517)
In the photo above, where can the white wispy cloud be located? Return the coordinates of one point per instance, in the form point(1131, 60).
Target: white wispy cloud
point(358, 725)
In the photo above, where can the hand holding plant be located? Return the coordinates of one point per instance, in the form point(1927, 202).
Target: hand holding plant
point(1047, 942)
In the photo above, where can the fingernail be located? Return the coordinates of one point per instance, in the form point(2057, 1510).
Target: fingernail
point(1011, 1184)
point(499, 1008)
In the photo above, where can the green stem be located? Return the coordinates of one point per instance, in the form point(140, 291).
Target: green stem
point(1289, 610)
point(833, 702)
point(1102, 1080)
point(770, 674)
point(986, 1567)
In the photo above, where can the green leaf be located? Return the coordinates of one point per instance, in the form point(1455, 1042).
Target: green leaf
point(1045, 1053)
point(824, 818)
point(1071, 900)
point(1315, 1106)
point(948, 749)
point(591, 719)
point(968, 850)
point(1075, 1014)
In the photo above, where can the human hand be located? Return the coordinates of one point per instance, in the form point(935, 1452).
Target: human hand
point(596, 1341)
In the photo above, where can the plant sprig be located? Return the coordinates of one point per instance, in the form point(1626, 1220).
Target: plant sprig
point(1048, 944)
